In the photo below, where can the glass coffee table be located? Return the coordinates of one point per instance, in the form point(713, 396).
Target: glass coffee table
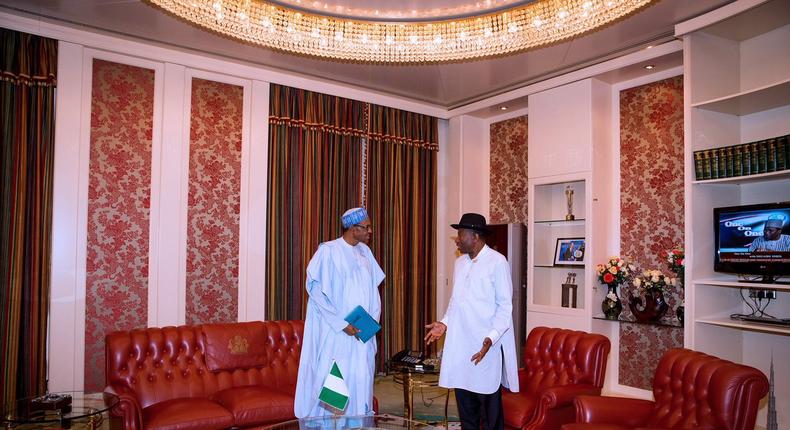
point(369, 422)
point(84, 410)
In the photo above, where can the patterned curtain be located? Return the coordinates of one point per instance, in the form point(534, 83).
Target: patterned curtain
point(315, 154)
point(28, 69)
point(401, 200)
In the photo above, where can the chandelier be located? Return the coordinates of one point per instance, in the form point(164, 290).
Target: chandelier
point(538, 23)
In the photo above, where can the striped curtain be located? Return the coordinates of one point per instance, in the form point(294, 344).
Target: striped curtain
point(28, 69)
point(401, 200)
point(315, 154)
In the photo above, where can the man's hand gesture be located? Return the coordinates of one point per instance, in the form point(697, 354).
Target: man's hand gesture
point(435, 331)
point(483, 351)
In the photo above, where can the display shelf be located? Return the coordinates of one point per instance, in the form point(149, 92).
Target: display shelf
point(748, 102)
point(667, 321)
point(780, 175)
point(561, 222)
point(558, 310)
point(558, 266)
point(745, 325)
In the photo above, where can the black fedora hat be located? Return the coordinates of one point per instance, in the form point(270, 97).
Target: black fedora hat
point(472, 221)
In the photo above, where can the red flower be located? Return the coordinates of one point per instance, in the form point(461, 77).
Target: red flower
point(680, 262)
point(608, 278)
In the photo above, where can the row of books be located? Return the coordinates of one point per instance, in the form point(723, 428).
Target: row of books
point(751, 158)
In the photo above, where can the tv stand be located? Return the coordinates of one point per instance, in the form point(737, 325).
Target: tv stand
point(766, 279)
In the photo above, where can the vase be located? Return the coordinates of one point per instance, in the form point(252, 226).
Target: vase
point(612, 308)
point(653, 308)
point(680, 312)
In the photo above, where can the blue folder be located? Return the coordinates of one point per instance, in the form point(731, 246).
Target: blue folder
point(362, 320)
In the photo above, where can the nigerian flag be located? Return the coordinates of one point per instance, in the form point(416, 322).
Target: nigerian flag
point(334, 392)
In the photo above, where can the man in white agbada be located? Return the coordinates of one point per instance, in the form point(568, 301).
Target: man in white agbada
point(342, 275)
point(480, 350)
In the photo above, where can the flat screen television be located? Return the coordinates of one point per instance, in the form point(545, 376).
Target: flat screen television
point(753, 240)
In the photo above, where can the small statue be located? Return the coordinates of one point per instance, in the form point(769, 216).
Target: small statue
point(569, 198)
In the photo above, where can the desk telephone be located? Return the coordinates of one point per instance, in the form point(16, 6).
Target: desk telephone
point(408, 357)
point(411, 359)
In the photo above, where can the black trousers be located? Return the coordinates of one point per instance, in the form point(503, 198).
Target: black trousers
point(478, 411)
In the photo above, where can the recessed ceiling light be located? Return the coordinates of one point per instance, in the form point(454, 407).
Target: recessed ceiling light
point(503, 108)
point(650, 67)
point(649, 46)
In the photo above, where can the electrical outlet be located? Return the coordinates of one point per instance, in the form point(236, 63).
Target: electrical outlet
point(762, 294)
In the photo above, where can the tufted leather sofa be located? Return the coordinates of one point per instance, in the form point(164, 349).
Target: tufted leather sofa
point(211, 376)
point(559, 364)
point(692, 390)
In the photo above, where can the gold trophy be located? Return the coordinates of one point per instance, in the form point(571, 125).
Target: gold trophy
point(569, 198)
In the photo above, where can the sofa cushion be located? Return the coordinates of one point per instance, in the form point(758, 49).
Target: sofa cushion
point(187, 414)
point(254, 405)
point(235, 345)
point(519, 407)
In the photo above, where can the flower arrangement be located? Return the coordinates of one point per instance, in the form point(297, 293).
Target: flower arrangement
point(615, 271)
point(676, 260)
point(653, 280)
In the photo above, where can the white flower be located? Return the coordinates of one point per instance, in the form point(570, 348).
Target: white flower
point(611, 296)
point(637, 282)
point(612, 270)
point(654, 278)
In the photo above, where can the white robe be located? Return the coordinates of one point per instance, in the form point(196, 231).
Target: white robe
point(480, 306)
point(340, 277)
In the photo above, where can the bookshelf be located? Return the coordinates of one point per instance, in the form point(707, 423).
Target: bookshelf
point(737, 90)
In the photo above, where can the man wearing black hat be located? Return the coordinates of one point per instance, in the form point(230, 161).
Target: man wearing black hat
point(480, 350)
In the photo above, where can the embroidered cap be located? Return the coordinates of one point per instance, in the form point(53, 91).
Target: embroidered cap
point(774, 221)
point(353, 216)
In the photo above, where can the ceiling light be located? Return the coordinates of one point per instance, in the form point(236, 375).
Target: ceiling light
point(650, 67)
point(531, 25)
point(503, 108)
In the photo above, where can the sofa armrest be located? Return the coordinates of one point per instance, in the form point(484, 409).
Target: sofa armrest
point(555, 404)
point(612, 410)
point(128, 407)
point(563, 395)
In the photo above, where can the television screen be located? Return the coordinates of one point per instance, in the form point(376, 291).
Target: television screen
point(753, 239)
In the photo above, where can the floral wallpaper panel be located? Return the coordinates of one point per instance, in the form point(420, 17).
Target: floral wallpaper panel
point(214, 193)
point(509, 171)
point(119, 190)
point(651, 211)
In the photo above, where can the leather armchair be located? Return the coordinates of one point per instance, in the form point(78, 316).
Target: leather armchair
point(692, 390)
point(559, 365)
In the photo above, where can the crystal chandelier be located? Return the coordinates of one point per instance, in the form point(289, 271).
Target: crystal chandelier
point(538, 23)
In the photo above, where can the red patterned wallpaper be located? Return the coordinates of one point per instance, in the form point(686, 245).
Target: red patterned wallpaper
point(651, 217)
point(119, 190)
point(509, 171)
point(214, 192)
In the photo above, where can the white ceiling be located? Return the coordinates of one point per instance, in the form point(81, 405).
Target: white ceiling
point(446, 85)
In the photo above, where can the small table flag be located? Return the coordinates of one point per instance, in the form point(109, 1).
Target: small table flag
point(334, 392)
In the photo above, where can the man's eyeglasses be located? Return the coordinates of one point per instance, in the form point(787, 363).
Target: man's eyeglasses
point(364, 227)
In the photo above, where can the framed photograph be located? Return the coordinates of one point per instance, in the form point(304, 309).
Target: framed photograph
point(569, 252)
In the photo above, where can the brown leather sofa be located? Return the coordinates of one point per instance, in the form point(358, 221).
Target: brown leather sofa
point(692, 390)
point(559, 364)
point(211, 376)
